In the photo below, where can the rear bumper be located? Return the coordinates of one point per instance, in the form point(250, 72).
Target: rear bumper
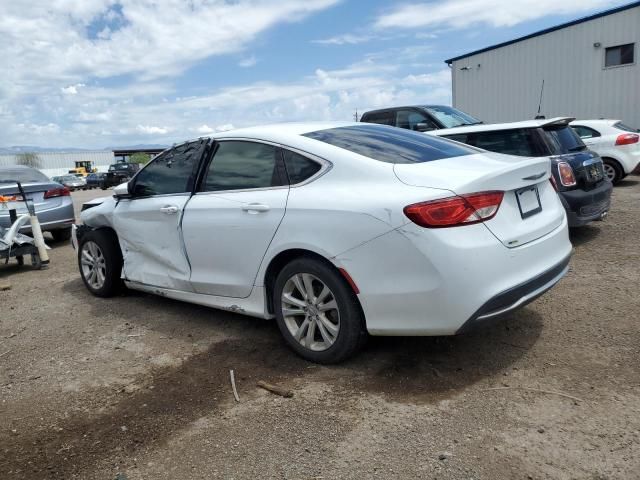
point(55, 218)
point(516, 297)
point(586, 206)
point(416, 281)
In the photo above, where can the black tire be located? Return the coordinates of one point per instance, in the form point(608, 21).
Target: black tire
point(61, 235)
point(107, 242)
point(616, 167)
point(351, 335)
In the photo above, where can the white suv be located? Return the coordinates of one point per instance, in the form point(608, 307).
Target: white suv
point(617, 144)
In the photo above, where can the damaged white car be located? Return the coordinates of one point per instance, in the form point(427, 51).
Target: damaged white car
point(336, 230)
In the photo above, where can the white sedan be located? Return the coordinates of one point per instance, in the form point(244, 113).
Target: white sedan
point(617, 144)
point(335, 229)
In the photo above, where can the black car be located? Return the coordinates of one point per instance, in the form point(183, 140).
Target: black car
point(577, 173)
point(421, 118)
point(119, 173)
point(94, 180)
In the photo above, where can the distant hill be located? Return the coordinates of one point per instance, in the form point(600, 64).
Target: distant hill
point(27, 148)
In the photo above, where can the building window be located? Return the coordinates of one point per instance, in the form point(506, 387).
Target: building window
point(620, 55)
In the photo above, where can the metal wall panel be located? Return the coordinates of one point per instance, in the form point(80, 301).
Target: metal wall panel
point(504, 84)
point(59, 163)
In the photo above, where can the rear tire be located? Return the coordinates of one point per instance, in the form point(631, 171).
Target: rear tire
point(613, 170)
point(317, 312)
point(100, 262)
point(61, 235)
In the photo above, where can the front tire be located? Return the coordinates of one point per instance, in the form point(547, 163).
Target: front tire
point(613, 170)
point(100, 262)
point(317, 312)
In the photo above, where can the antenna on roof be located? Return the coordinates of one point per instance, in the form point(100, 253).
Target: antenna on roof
point(355, 116)
point(538, 116)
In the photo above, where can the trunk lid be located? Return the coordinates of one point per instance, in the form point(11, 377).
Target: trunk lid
point(34, 192)
point(521, 178)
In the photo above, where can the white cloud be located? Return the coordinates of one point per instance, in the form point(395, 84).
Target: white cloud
point(152, 130)
point(248, 62)
point(347, 38)
point(72, 89)
point(496, 13)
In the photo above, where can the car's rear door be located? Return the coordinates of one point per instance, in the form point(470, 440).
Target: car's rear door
point(230, 222)
point(148, 224)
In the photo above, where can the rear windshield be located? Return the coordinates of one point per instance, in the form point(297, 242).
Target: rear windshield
point(118, 166)
point(561, 140)
point(451, 117)
point(390, 144)
point(520, 142)
point(26, 175)
point(626, 128)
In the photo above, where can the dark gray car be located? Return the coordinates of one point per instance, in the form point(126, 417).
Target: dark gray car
point(52, 201)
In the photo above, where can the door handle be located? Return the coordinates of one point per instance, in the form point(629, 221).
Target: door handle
point(255, 207)
point(169, 209)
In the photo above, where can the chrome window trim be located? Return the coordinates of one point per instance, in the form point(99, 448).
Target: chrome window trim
point(325, 165)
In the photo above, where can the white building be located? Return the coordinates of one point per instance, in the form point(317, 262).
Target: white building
point(590, 68)
point(59, 163)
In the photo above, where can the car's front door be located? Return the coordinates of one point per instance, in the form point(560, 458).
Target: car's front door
point(148, 224)
point(229, 224)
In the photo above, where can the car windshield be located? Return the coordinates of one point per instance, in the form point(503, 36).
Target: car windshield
point(451, 117)
point(27, 175)
point(563, 140)
point(390, 144)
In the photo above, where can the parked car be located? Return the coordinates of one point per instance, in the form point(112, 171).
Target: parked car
point(71, 182)
point(577, 173)
point(421, 118)
point(119, 173)
point(617, 144)
point(334, 229)
point(95, 180)
point(51, 200)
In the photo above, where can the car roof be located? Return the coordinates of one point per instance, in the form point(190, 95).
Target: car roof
point(599, 121)
point(490, 127)
point(403, 106)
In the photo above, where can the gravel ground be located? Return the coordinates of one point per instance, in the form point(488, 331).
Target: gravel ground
point(137, 387)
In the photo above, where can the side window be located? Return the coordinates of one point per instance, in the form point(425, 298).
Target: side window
point(299, 168)
point(382, 118)
point(518, 142)
point(585, 132)
point(171, 172)
point(409, 119)
point(238, 165)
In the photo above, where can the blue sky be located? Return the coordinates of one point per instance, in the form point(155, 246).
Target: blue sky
point(97, 73)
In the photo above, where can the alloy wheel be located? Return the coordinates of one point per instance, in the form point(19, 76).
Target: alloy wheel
point(94, 268)
point(610, 172)
point(310, 312)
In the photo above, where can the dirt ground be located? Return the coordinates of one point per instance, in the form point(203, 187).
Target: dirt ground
point(137, 387)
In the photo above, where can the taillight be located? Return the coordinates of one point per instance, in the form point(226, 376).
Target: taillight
point(567, 178)
point(57, 192)
point(627, 139)
point(455, 211)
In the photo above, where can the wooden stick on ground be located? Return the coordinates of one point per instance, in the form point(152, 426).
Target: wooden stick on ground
point(550, 392)
point(233, 385)
point(283, 392)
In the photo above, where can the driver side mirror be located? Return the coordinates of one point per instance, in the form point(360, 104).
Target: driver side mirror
point(424, 127)
point(122, 191)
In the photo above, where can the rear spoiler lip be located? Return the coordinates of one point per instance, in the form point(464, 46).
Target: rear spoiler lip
point(557, 122)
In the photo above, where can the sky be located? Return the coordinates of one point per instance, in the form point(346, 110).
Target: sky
point(100, 73)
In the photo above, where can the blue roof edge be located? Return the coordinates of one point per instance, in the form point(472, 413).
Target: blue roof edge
point(604, 13)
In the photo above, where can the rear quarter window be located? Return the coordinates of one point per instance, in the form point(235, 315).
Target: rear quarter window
point(390, 144)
